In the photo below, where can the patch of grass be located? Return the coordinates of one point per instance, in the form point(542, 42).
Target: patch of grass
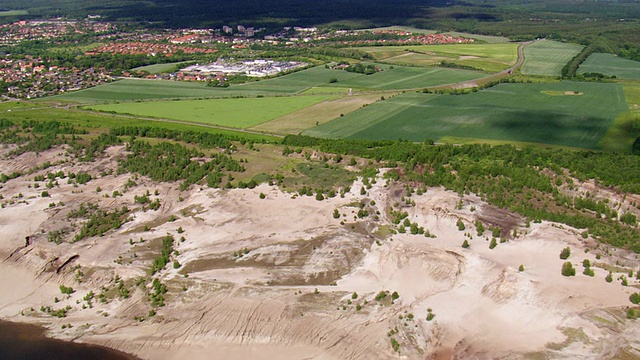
point(13, 13)
point(573, 335)
point(315, 175)
point(548, 57)
point(384, 231)
point(609, 64)
point(268, 160)
point(75, 47)
point(511, 112)
point(238, 113)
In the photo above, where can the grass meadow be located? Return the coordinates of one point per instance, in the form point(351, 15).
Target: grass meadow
point(42, 111)
point(236, 113)
point(609, 64)
point(564, 113)
point(547, 57)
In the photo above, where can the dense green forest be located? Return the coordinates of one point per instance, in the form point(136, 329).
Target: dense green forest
point(612, 24)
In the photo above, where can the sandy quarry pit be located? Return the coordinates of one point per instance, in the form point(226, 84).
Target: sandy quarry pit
point(290, 295)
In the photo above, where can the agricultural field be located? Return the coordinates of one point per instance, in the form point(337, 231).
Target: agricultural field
point(487, 57)
point(326, 90)
point(401, 77)
point(547, 57)
point(42, 111)
point(313, 79)
point(161, 68)
point(396, 78)
point(297, 81)
point(137, 89)
point(626, 127)
point(235, 113)
point(609, 64)
point(297, 121)
point(570, 114)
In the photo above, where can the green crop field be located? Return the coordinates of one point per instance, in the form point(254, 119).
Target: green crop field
point(139, 89)
point(547, 57)
point(43, 111)
point(237, 113)
point(409, 58)
point(326, 90)
point(161, 68)
point(297, 121)
point(626, 127)
point(488, 57)
point(609, 64)
point(382, 52)
point(297, 82)
point(563, 113)
point(401, 77)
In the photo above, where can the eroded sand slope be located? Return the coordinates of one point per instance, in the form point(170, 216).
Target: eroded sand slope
point(275, 278)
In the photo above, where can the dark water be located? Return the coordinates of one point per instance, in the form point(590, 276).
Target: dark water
point(27, 342)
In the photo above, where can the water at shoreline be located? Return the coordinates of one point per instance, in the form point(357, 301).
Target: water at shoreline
point(27, 342)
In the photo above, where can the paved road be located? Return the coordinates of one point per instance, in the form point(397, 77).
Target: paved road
point(492, 77)
point(520, 58)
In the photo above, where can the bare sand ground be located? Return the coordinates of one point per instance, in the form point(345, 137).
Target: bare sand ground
point(291, 293)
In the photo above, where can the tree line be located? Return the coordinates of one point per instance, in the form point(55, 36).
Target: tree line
point(510, 178)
